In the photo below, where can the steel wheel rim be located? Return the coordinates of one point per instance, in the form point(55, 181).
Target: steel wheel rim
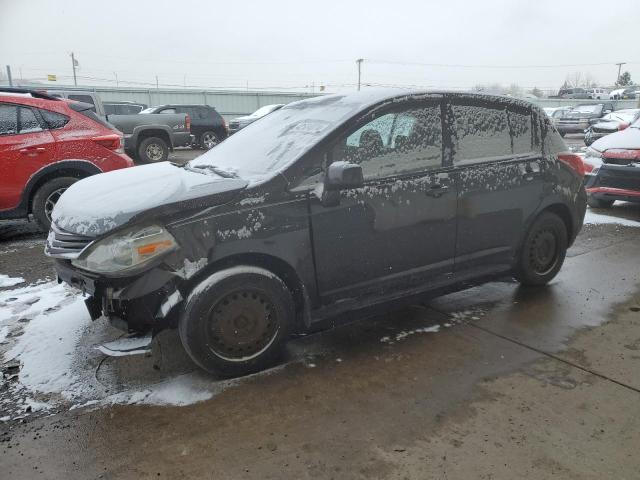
point(242, 325)
point(51, 201)
point(209, 140)
point(154, 152)
point(543, 252)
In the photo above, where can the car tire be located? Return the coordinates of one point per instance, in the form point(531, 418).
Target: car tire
point(542, 251)
point(46, 197)
point(236, 321)
point(153, 150)
point(208, 140)
point(598, 202)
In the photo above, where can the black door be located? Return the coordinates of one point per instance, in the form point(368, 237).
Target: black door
point(499, 172)
point(398, 231)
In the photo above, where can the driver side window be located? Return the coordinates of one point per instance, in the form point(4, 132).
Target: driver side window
point(401, 142)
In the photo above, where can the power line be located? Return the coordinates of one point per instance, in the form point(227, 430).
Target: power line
point(452, 65)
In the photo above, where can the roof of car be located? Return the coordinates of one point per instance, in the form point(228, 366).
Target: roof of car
point(373, 96)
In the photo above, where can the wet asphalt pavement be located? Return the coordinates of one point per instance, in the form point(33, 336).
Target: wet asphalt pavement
point(517, 383)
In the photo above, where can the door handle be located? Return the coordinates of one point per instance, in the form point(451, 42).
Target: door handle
point(32, 150)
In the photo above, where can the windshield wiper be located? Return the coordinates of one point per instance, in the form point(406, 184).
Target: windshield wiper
point(217, 170)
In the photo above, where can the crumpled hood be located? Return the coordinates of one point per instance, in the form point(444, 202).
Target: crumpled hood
point(95, 205)
point(628, 138)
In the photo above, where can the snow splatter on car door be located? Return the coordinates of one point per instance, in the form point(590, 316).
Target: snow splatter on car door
point(398, 230)
point(499, 168)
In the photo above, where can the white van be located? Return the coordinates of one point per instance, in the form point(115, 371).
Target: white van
point(598, 93)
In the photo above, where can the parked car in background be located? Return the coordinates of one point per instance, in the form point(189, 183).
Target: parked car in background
point(598, 93)
point(613, 168)
point(555, 113)
point(46, 145)
point(207, 125)
point(610, 123)
point(573, 93)
point(147, 138)
point(630, 93)
point(616, 94)
point(329, 205)
point(241, 122)
point(123, 108)
point(577, 119)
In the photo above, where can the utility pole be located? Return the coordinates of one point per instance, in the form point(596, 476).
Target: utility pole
point(74, 63)
point(116, 75)
point(619, 68)
point(9, 76)
point(157, 86)
point(359, 63)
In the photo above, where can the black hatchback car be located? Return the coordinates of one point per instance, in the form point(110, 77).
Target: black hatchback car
point(207, 125)
point(328, 205)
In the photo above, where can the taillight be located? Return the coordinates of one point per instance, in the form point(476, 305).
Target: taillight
point(574, 162)
point(112, 142)
point(187, 122)
point(622, 126)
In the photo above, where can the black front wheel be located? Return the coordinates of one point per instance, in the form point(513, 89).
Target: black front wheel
point(236, 321)
point(543, 250)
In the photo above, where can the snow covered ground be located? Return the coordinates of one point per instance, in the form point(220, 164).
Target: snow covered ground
point(51, 359)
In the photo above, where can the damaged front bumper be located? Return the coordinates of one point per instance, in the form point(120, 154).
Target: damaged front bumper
point(141, 303)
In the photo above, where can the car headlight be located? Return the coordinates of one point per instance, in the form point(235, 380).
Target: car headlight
point(126, 250)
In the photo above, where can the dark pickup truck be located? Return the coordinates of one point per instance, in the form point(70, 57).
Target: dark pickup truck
point(147, 137)
point(577, 120)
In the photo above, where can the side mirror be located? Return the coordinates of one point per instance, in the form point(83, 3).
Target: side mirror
point(342, 175)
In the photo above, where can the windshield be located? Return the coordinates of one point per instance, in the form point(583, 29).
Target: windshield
point(266, 147)
point(262, 111)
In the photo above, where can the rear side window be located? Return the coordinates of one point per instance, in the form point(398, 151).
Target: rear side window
point(8, 120)
point(167, 110)
point(53, 119)
point(479, 133)
point(27, 121)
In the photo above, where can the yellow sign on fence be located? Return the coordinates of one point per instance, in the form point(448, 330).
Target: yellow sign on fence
point(52, 78)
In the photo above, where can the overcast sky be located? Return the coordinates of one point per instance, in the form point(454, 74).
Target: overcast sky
point(287, 44)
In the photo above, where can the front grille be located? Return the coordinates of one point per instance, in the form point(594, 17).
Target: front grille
point(63, 244)
point(603, 130)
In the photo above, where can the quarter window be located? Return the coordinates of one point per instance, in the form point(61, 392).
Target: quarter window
point(8, 120)
point(479, 133)
point(27, 121)
point(54, 120)
point(395, 143)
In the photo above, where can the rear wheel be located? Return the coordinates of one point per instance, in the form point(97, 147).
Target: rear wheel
point(208, 140)
point(236, 321)
point(598, 202)
point(46, 198)
point(152, 150)
point(543, 250)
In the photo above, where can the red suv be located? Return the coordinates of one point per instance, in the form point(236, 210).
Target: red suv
point(46, 144)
